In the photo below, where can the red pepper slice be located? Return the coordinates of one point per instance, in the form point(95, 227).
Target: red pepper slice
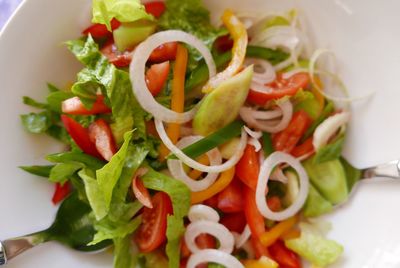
point(61, 192)
point(100, 30)
point(100, 134)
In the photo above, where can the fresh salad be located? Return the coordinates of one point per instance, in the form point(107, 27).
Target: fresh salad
point(197, 145)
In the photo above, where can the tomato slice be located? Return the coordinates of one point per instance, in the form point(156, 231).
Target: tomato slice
point(80, 136)
point(61, 192)
point(212, 201)
point(248, 167)
point(74, 106)
point(280, 88)
point(305, 148)
point(119, 59)
point(230, 200)
point(141, 192)
point(224, 43)
point(156, 8)
point(287, 139)
point(100, 134)
point(156, 77)
point(164, 52)
point(100, 30)
point(284, 256)
point(235, 222)
point(151, 232)
point(274, 203)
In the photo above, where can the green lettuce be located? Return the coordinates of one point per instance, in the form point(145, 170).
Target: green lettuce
point(314, 247)
point(62, 172)
point(123, 10)
point(306, 101)
point(330, 151)
point(115, 84)
point(36, 122)
point(316, 204)
point(108, 176)
point(122, 253)
point(180, 197)
point(353, 175)
point(76, 157)
point(41, 171)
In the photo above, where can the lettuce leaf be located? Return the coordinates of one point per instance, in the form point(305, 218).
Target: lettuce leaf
point(314, 247)
point(122, 253)
point(36, 122)
point(41, 171)
point(62, 172)
point(108, 176)
point(330, 151)
point(115, 84)
point(123, 10)
point(180, 197)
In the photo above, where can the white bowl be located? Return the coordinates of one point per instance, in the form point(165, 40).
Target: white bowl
point(365, 35)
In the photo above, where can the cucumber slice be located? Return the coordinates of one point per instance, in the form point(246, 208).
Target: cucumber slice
point(128, 35)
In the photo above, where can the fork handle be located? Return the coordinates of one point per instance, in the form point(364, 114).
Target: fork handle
point(388, 170)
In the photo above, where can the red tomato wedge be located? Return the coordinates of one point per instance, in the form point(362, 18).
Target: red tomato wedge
point(224, 43)
point(156, 77)
point(80, 136)
point(74, 106)
point(141, 192)
point(100, 134)
point(100, 30)
point(235, 222)
point(305, 148)
point(164, 52)
point(61, 192)
point(287, 139)
point(280, 88)
point(230, 200)
point(151, 233)
point(119, 59)
point(155, 8)
point(212, 201)
point(248, 167)
point(284, 256)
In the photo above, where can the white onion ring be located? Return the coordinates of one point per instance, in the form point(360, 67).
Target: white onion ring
point(176, 167)
point(137, 69)
point(278, 175)
point(274, 159)
point(268, 74)
point(203, 212)
point(287, 112)
point(328, 128)
point(194, 164)
point(219, 231)
point(213, 255)
point(255, 136)
point(241, 239)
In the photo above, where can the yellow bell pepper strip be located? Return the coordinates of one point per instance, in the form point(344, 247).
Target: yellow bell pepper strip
point(195, 174)
point(318, 95)
point(223, 181)
point(263, 262)
point(240, 39)
point(270, 237)
point(177, 97)
point(292, 234)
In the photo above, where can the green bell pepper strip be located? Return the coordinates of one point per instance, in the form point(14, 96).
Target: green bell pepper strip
point(200, 74)
point(213, 140)
point(267, 144)
point(329, 108)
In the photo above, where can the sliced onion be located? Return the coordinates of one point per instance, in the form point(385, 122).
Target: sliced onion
point(248, 248)
point(286, 107)
point(178, 172)
point(137, 70)
point(255, 136)
point(241, 239)
point(219, 231)
point(328, 128)
point(273, 160)
point(278, 175)
point(203, 212)
point(213, 255)
point(267, 73)
point(194, 164)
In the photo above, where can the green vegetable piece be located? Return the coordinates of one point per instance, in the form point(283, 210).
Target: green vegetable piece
point(155, 260)
point(267, 144)
point(353, 175)
point(76, 157)
point(124, 11)
point(41, 171)
point(229, 148)
point(36, 123)
point(62, 172)
point(329, 179)
point(330, 151)
point(329, 108)
point(292, 187)
point(315, 248)
point(128, 35)
point(212, 141)
point(276, 21)
point(307, 102)
point(315, 204)
point(31, 102)
point(55, 99)
point(221, 106)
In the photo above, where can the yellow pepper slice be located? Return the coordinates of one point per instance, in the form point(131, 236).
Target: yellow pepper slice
point(177, 97)
point(271, 236)
point(318, 95)
point(238, 33)
point(195, 174)
point(263, 262)
point(222, 182)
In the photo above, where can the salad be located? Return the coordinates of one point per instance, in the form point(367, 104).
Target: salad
point(197, 145)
